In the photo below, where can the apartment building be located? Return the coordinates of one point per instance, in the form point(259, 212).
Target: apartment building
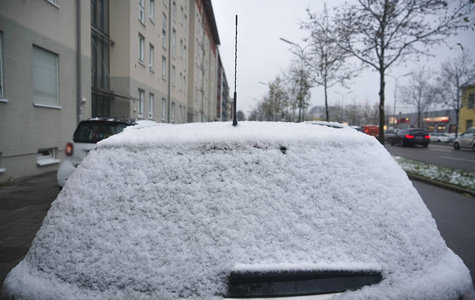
point(45, 63)
point(467, 112)
point(203, 65)
point(62, 61)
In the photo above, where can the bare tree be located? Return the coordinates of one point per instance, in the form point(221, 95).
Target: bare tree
point(454, 75)
point(418, 92)
point(382, 32)
point(296, 83)
point(326, 60)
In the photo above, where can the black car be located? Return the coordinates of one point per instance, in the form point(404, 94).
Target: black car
point(410, 137)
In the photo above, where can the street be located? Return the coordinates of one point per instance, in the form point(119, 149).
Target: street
point(437, 154)
point(453, 213)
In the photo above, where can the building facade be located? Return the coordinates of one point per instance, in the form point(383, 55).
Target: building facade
point(62, 61)
point(467, 112)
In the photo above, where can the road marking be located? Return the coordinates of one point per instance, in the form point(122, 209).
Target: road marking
point(440, 150)
point(461, 159)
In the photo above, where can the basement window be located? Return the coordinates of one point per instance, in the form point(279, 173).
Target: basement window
point(46, 157)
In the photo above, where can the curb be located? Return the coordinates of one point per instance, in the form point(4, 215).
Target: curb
point(441, 184)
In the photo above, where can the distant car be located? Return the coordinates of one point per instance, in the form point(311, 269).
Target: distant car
point(372, 130)
point(439, 137)
point(390, 133)
point(260, 210)
point(410, 137)
point(465, 140)
point(87, 134)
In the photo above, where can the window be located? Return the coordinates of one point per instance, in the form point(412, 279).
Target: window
point(164, 108)
point(150, 106)
point(470, 98)
point(151, 57)
point(174, 43)
point(184, 56)
point(186, 25)
point(179, 113)
point(45, 77)
point(141, 11)
point(164, 67)
point(174, 10)
point(182, 15)
point(141, 98)
point(180, 84)
point(141, 48)
point(172, 112)
point(173, 75)
point(1, 66)
point(469, 123)
point(46, 157)
point(165, 2)
point(152, 10)
point(164, 31)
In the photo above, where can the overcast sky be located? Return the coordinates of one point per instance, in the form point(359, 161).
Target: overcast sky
point(262, 55)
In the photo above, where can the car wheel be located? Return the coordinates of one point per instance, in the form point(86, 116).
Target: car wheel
point(456, 146)
point(473, 147)
point(438, 141)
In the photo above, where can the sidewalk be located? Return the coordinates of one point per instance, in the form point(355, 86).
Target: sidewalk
point(23, 206)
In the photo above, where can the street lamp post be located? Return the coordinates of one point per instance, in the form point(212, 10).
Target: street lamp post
point(395, 89)
point(343, 101)
point(301, 73)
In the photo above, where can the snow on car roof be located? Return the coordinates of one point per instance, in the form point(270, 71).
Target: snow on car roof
point(168, 211)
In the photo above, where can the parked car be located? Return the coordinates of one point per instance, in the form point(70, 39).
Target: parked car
point(410, 137)
point(466, 140)
point(390, 133)
point(85, 137)
point(439, 137)
point(263, 209)
point(372, 130)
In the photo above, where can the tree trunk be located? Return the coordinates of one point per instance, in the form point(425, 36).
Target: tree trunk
point(381, 105)
point(326, 101)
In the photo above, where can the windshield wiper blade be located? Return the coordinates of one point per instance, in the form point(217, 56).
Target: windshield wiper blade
point(247, 284)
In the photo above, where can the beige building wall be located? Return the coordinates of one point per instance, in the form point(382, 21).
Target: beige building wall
point(148, 59)
point(33, 135)
point(203, 42)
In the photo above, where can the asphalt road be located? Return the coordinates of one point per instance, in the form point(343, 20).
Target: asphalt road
point(437, 154)
point(453, 213)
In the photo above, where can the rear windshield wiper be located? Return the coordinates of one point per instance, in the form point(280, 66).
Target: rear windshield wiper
point(248, 284)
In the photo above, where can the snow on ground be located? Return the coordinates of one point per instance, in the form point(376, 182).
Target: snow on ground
point(168, 211)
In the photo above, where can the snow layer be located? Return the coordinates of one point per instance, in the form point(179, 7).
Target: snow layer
point(166, 212)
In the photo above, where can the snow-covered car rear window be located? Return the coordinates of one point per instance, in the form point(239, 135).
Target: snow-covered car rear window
point(170, 212)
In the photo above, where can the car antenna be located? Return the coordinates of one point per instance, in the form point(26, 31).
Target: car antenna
point(235, 122)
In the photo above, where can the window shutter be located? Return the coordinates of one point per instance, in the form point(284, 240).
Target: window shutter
point(45, 77)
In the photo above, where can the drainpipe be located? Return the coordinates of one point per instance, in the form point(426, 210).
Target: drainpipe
point(169, 58)
point(78, 61)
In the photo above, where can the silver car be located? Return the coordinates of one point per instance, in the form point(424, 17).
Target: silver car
point(466, 140)
point(87, 134)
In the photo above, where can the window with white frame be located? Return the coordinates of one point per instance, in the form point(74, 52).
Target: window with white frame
point(140, 104)
point(164, 67)
point(185, 55)
point(1, 66)
point(164, 31)
point(142, 11)
point(179, 113)
point(174, 43)
point(164, 108)
point(173, 75)
point(182, 15)
point(46, 157)
point(151, 56)
point(45, 77)
point(184, 114)
point(141, 48)
point(152, 10)
point(165, 2)
point(172, 112)
point(181, 48)
point(150, 105)
point(180, 84)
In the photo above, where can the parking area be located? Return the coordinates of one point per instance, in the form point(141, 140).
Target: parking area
point(23, 206)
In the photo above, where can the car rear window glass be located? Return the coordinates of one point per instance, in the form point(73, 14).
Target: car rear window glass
point(93, 132)
point(418, 132)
